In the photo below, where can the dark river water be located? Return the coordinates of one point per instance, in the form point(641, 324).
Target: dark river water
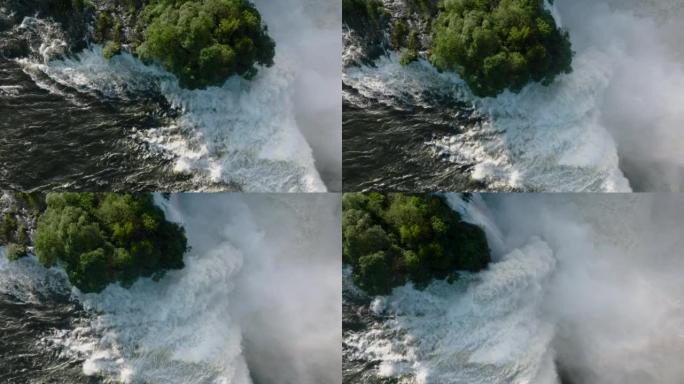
point(72, 140)
point(26, 355)
point(36, 313)
point(385, 149)
point(72, 120)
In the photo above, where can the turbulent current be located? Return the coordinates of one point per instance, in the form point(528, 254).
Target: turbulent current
point(79, 121)
point(242, 310)
point(583, 289)
point(613, 124)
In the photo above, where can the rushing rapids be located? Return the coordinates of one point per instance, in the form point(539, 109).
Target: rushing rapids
point(610, 125)
point(584, 290)
point(242, 310)
point(121, 125)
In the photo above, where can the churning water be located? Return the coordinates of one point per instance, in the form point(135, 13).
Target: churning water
point(83, 122)
point(613, 124)
point(584, 289)
point(257, 302)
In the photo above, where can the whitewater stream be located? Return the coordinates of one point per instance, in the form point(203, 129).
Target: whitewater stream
point(583, 289)
point(74, 120)
point(614, 124)
point(242, 311)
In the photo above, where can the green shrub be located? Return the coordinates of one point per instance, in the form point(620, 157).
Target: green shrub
point(103, 24)
point(390, 239)
point(111, 49)
point(203, 42)
point(398, 34)
point(500, 44)
point(22, 236)
point(8, 226)
point(16, 251)
point(34, 201)
point(374, 273)
point(410, 53)
point(356, 11)
point(108, 237)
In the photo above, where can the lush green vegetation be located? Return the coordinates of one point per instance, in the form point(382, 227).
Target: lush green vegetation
point(389, 239)
point(203, 42)
point(13, 235)
point(499, 44)
point(68, 6)
point(107, 237)
point(356, 11)
point(14, 232)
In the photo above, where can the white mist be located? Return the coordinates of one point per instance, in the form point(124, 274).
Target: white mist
point(257, 302)
point(583, 287)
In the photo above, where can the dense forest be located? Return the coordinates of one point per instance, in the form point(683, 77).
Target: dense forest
point(390, 239)
point(202, 42)
point(98, 238)
point(493, 45)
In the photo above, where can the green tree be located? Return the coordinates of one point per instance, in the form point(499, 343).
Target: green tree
point(355, 12)
point(500, 44)
point(374, 273)
point(390, 239)
point(203, 42)
point(107, 237)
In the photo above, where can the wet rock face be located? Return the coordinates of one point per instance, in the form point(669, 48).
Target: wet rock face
point(365, 40)
point(17, 40)
point(417, 14)
point(95, 22)
point(122, 13)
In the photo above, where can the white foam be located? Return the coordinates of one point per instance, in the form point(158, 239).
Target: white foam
point(244, 133)
point(482, 329)
point(623, 93)
point(241, 309)
point(29, 281)
point(599, 297)
point(541, 139)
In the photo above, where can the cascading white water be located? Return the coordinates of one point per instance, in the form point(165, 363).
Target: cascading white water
point(617, 111)
point(255, 135)
point(639, 45)
point(28, 281)
point(587, 287)
point(257, 300)
point(308, 36)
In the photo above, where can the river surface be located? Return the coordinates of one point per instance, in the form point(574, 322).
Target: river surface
point(71, 120)
point(583, 289)
point(241, 311)
point(609, 126)
point(35, 311)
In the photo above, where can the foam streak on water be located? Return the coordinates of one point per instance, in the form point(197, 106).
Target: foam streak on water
point(241, 311)
point(541, 139)
point(242, 134)
point(614, 115)
point(586, 287)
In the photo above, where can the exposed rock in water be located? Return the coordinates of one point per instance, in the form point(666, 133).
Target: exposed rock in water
point(365, 39)
point(18, 34)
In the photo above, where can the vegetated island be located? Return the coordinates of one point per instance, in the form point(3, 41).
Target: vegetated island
point(390, 239)
point(98, 238)
point(202, 42)
point(493, 45)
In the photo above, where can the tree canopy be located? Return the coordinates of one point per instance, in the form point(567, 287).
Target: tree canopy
point(499, 44)
point(203, 42)
point(356, 11)
point(389, 239)
point(100, 238)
